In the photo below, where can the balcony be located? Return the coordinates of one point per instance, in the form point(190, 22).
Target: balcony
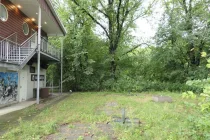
point(49, 49)
point(20, 54)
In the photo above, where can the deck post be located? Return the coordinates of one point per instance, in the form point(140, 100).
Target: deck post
point(7, 49)
point(38, 53)
point(19, 54)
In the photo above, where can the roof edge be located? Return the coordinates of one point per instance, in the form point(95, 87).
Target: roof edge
point(56, 17)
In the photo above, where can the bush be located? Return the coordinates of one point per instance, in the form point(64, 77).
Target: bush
point(126, 83)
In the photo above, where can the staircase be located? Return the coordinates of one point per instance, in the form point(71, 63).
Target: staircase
point(16, 55)
point(20, 55)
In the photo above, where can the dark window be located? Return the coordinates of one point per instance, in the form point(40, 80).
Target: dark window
point(32, 69)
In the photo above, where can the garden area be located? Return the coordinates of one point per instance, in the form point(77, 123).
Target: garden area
point(118, 56)
point(90, 115)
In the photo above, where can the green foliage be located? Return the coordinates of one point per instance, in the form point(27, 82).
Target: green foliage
point(179, 54)
point(199, 126)
point(31, 130)
point(188, 95)
point(138, 84)
point(205, 103)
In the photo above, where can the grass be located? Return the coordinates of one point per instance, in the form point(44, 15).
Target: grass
point(159, 120)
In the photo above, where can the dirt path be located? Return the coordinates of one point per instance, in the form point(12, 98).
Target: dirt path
point(81, 131)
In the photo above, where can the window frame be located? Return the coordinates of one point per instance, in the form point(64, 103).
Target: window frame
point(25, 23)
point(1, 4)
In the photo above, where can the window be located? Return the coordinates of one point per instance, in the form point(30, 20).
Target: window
point(32, 69)
point(3, 13)
point(25, 28)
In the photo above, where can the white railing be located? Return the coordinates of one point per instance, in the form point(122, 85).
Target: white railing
point(20, 53)
point(7, 46)
point(13, 52)
point(1, 38)
point(46, 47)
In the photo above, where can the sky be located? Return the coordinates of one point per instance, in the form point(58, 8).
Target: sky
point(147, 27)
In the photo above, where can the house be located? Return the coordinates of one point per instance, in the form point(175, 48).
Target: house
point(25, 52)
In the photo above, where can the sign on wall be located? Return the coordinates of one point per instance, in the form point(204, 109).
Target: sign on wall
point(8, 87)
point(34, 77)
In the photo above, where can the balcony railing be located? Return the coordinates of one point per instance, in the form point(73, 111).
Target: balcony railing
point(8, 47)
point(48, 48)
point(12, 52)
point(1, 38)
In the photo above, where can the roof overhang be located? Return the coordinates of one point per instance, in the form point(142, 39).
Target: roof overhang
point(51, 23)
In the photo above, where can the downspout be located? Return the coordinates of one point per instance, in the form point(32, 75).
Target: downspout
point(61, 65)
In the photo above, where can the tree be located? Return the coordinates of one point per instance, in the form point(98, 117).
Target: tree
point(116, 18)
point(183, 32)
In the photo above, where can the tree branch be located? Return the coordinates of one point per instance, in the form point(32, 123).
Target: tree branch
point(185, 6)
point(91, 16)
point(118, 23)
point(118, 14)
point(100, 11)
point(135, 47)
point(102, 5)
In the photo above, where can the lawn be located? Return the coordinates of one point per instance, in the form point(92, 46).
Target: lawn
point(158, 120)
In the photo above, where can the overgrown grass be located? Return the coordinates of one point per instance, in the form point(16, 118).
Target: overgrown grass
point(159, 120)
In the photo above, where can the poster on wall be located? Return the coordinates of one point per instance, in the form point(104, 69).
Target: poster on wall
point(8, 87)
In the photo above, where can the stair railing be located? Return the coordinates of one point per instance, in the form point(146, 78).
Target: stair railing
point(7, 46)
point(1, 38)
point(28, 45)
point(11, 51)
point(29, 40)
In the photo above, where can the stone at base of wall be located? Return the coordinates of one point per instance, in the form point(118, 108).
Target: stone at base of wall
point(8, 104)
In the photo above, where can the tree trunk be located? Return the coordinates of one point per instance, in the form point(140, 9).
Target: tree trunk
point(113, 64)
point(198, 57)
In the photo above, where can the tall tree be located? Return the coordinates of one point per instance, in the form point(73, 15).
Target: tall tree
point(184, 30)
point(116, 18)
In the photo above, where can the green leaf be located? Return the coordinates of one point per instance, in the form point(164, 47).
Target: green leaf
point(203, 54)
point(208, 65)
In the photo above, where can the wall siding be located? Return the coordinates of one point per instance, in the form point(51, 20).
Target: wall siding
point(16, 18)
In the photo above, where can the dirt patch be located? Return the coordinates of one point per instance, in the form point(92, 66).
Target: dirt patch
point(81, 131)
point(143, 99)
point(110, 108)
point(111, 104)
